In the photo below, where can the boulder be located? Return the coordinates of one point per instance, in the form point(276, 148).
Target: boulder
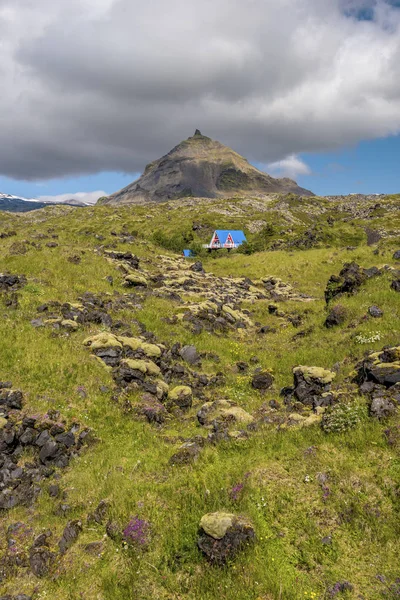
point(223, 535)
point(396, 255)
point(311, 386)
point(190, 355)
point(262, 380)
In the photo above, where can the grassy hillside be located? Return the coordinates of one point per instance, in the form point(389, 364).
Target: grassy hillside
point(324, 505)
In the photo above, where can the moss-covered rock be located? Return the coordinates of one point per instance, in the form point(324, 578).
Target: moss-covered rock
point(312, 374)
point(102, 340)
point(147, 367)
point(69, 324)
point(181, 396)
point(223, 410)
point(135, 280)
point(217, 524)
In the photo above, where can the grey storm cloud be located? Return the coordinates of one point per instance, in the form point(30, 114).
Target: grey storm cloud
point(93, 85)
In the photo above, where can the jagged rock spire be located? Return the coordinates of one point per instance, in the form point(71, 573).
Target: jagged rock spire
point(197, 132)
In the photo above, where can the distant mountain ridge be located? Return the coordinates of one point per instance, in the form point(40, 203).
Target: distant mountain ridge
point(10, 203)
point(201, 167)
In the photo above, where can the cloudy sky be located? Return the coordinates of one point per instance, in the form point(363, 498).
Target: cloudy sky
point(92, 90)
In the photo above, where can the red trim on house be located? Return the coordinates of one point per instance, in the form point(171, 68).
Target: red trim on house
point(229, 242)
point(215, 241)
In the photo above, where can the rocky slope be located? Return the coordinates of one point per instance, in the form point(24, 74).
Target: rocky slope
point(202, 167)
point(181, 429)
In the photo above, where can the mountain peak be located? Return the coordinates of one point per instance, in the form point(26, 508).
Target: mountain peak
point(204, 168)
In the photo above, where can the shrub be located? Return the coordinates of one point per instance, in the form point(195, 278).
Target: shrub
point(342, 417)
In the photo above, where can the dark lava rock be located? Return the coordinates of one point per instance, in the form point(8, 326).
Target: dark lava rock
point(70, 535)
point(113, 531)
point(223, 535)
point(19, 483)
point(100, 512)
point(311, 387)
point(375, 312)
point(13, 282)
point(350, 278)
point(382, 368)
point(152, 409)
point(336, 316)
point(395, 285)
point(18, 596)
point(396, 255)
point(127, 257)
point(262, 380)
point(381, 408)
point(190, 355)
point(11, 398)
point(373, 236)
point(41, 561)
point(54, 491)
point(197, 267)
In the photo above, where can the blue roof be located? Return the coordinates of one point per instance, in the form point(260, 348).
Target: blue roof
point(237, 235)
point(188, 253)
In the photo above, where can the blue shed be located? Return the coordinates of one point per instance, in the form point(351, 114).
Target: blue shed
point(227, 238)
point(187, 253)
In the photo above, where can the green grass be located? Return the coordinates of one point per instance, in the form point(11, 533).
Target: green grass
point(129, 464)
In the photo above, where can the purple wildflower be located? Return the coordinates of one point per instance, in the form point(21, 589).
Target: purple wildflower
point(137, 532)
point(235, 491)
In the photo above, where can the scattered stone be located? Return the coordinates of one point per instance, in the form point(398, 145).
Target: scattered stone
point(70, 535)
point(151, 408)
point(375, 311)
point(47, 439)
point(197, 267)
point(186, 454)
point(396, 255)
point(41, 561)
point(223, 535)
point(395, 285)
point(336, 316)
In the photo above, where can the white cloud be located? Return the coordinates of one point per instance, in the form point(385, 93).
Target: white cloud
point(88, 197)
point(111, 85)
point(291, 166)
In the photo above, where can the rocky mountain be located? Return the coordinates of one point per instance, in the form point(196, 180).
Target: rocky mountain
point(204, 168)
